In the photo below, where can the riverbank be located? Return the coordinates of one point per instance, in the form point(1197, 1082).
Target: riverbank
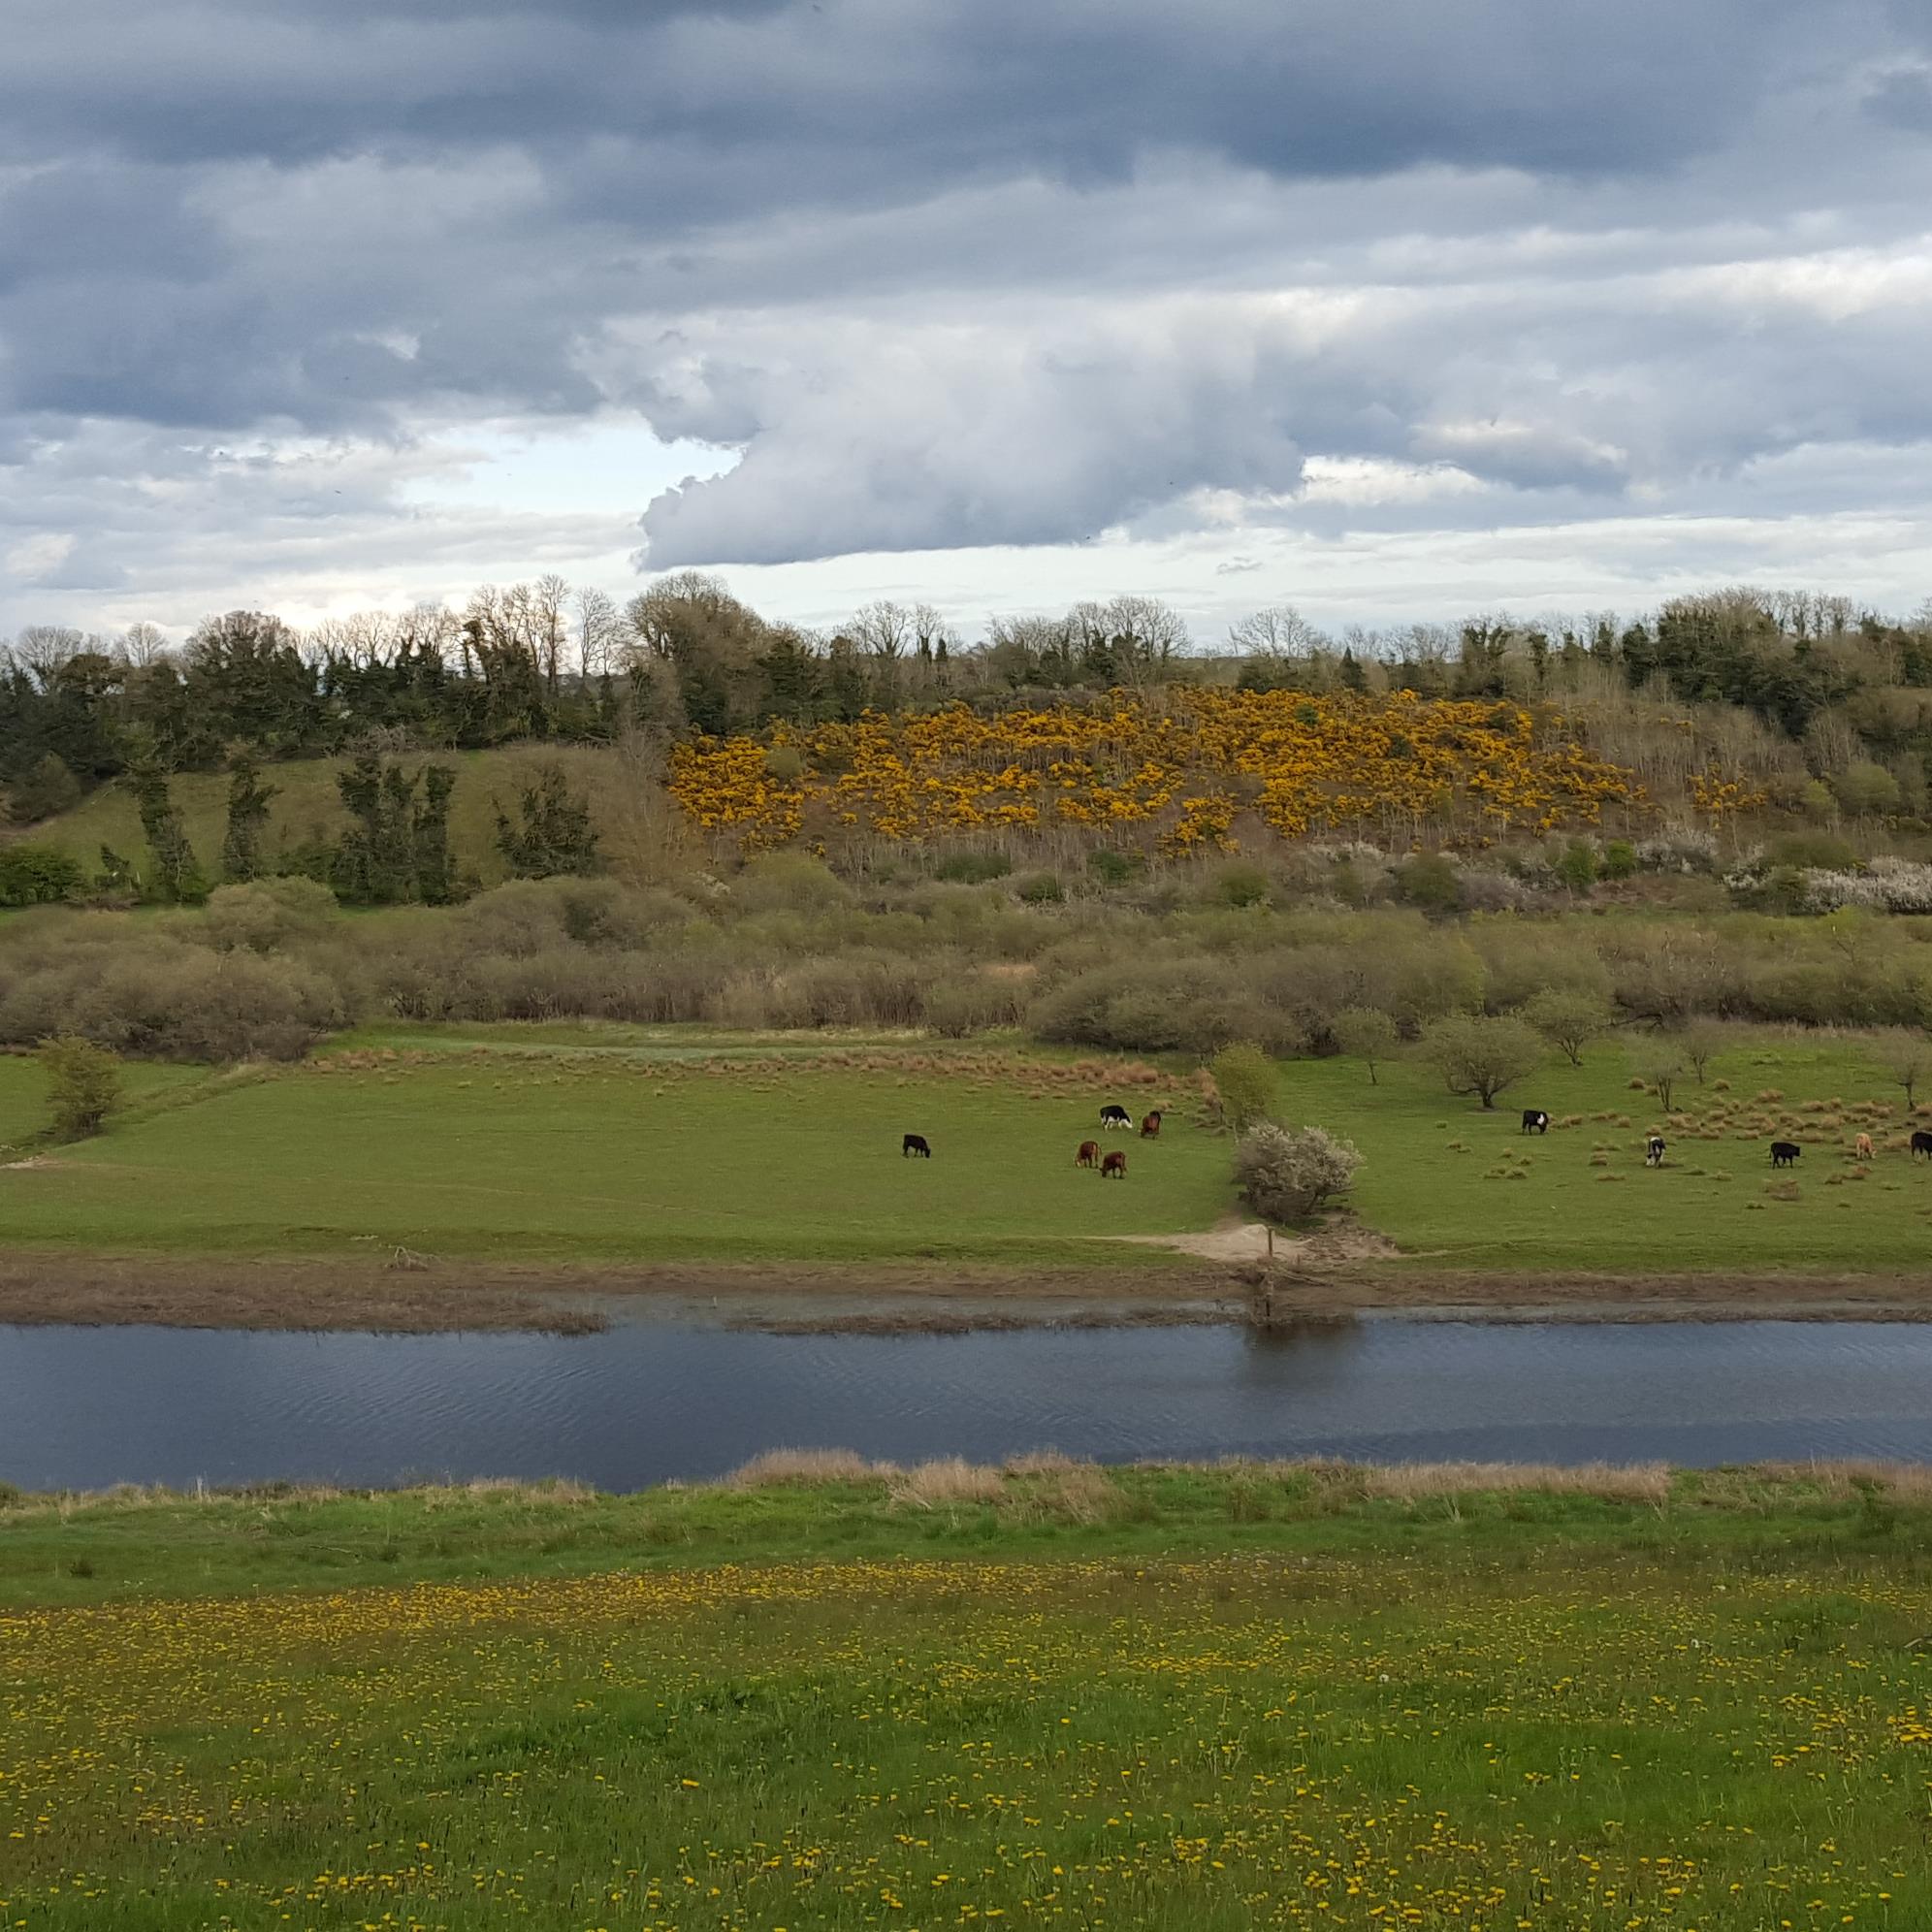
point(410, 1295)
point(829, 1693)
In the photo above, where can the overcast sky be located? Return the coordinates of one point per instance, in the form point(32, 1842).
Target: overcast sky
point(1397, 309)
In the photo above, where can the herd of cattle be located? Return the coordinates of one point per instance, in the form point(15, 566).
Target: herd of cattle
point(1783, 1153)
point(1112, 1167)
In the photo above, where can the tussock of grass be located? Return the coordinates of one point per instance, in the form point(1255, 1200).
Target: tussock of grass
point(788, 1467)
point(947, 1481)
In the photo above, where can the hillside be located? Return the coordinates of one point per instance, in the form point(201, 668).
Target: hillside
point(626, 804)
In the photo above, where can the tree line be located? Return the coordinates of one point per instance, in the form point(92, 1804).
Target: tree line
point(539, 662)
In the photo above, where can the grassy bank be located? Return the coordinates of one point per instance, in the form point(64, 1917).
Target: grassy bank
point(629, 1146)
point(1053, 1695)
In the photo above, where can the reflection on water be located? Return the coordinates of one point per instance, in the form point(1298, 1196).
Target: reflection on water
point(85, 1408)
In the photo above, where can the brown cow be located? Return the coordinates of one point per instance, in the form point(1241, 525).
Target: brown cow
point(1150, 1127)
point(1088, 1155)
point(1113, 1165)
point(1861, 1147)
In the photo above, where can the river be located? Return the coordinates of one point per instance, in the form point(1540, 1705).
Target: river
point(84, 1408)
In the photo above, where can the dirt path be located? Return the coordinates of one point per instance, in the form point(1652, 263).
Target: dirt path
point(1231, 1241)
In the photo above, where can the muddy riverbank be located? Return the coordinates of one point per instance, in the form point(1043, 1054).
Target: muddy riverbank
point(404, 1295)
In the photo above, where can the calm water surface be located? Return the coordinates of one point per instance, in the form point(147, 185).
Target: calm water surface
point(85, 1408)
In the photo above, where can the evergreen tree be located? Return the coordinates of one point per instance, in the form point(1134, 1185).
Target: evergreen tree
point(248, 802)
point(555, 834)
point(177, 876)
point(436, 870)
point(375, 863)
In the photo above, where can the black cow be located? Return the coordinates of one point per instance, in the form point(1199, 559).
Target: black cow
point(1535, 1120)
point(1115, 1117)
point(1784, 1152)
point(914, 1143)
point(1921, 1144)
point(1654, 1151)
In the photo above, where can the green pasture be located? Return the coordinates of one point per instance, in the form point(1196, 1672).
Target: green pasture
point(1170, 1700)
point(1465, 1189)
point(617, 1157)
point(574, 1141)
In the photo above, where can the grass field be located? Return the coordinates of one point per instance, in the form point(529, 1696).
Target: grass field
point(561, 1156)
point(1142, 1699)
point(570, 1142)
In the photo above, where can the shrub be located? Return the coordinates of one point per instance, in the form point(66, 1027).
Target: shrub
point(1685, 852)
point(1245, 1082)
point(972, 868)
point(1041, 888)
point(553, 832)
point(1483, 1056)
point(1905, 1059)
point(1366, 1034)
point(1866, 789)
point(789, 882)
point(1700, 1044)
point(1239, 883)
point(956, 1008)
point(1185, 1006)
point(146, 993)
point(1620, 859)
point(84, 1086)
point(1116, 868)
point(1430, 880)
point(32, 875)
point(1577, 867)
point(1286, 1174)
point(1823, 849)
point(1569, 1019)
point(266, 915)
point(1659, 1065)
point(45, 788)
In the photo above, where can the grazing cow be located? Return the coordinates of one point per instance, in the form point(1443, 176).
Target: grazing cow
point(1784, 1152)
point(1535, 1120)
point(1115, 1117)
point(1088, 1155)
point(1861, 1147)
point(1114, 1166)
point(1921, 1144)
point(914, 1143)
point(1150, 1127)
point(1654, 1151)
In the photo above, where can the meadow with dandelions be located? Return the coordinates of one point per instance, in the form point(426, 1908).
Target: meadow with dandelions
point(830, 1695)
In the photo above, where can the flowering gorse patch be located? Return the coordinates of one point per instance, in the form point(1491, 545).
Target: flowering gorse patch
point(1180, 769)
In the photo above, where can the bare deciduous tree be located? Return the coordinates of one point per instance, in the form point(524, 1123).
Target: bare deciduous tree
point(600, 632)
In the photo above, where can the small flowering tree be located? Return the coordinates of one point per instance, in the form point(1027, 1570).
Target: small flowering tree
point(1286, 1174)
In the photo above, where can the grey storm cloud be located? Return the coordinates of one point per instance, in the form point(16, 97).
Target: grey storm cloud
point(953, 271)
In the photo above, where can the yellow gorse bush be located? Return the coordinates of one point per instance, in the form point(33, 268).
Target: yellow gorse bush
point(1179, 768)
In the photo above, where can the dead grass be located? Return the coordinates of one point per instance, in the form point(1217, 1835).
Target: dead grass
point(780, 1467)
point(946, 1483)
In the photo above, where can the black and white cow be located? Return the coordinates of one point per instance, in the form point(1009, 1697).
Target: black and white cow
point(1115, 1117)
point(1654, 1151)
point(1535, 1120)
